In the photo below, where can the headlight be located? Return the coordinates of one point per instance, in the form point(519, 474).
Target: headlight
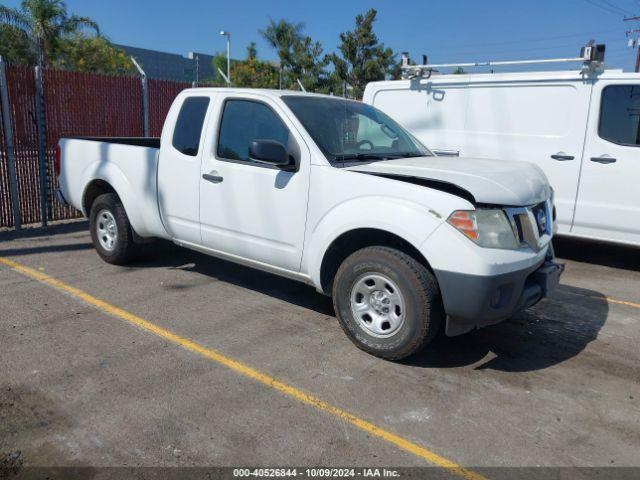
point(487, 228)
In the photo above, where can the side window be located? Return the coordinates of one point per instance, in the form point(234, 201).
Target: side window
point(186, 135)
point(620, 114)
point(244, 121)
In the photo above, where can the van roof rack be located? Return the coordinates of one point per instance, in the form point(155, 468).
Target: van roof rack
point(591, 56)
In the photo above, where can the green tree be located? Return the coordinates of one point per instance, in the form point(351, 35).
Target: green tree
point(252, 51)
point(282, 36)
point(307, 65)
point(15, 46)
point(300, 58)
point(363, 59)
point(91, 54)
point(45, 23)
point(219, 62)
point(254, 73)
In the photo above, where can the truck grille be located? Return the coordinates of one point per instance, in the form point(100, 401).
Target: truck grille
point(532, 225)
point(540, 215)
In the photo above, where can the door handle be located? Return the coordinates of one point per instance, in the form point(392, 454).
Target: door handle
point(604, 159)
point(212, 177)
point(562, 157)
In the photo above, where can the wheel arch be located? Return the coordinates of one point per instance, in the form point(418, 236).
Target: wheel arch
point(93, 190)
point(140, 207)
point(98, 187)
point(357, 239)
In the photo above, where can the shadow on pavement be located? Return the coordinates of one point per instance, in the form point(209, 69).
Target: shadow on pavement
point(606, 254)
point(73, 226)
point(553, 331)
point(167, 255)
point(70, 247)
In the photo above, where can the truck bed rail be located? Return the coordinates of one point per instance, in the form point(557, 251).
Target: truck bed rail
point(151, 142)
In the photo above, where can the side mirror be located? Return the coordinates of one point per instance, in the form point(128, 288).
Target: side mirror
point(272, 153)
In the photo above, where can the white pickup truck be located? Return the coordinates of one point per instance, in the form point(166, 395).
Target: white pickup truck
point(330, 192)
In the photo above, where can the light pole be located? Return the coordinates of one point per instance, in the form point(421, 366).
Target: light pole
point(224, 33)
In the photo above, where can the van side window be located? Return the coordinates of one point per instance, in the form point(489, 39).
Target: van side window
point(244, 121)
point(620, 114)
point(186, 135)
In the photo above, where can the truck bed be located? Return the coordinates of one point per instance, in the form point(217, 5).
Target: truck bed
point(128, 164)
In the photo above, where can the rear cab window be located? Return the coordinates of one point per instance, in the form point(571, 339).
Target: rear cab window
point(188, 129)
point(620, 115)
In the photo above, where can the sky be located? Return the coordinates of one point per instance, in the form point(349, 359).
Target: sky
point(447, 31)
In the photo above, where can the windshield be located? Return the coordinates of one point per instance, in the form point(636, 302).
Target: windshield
point(348, 131)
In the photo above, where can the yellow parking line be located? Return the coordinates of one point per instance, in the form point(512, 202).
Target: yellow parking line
point(620, 302)
point(607, 299)
point(247, 371)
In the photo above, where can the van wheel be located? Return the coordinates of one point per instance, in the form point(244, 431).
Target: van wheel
point(111, 231)
point(387, 303)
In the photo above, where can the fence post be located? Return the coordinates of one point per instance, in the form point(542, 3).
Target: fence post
point(11, 154)
point(41, 126)
point(145, 98)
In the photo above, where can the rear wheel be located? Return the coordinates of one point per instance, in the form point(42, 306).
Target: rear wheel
point(111, 231)
point(387, 303)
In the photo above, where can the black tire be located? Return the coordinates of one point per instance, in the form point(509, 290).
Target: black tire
point(423, 310)
point(124, 248)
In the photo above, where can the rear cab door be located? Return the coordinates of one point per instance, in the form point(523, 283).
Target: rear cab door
point(181, 148)
point(608, 203)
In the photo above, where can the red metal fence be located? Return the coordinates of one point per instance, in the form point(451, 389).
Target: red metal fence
point(161, 95)
point(6, 215)
point(22, 101)
point(75, 104)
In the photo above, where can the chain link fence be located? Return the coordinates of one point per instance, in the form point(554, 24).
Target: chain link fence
point(74, 104)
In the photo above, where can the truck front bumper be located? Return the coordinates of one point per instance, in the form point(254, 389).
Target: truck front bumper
point(474, 301)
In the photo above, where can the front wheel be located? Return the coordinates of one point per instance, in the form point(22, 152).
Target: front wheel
point(387, 303)
point(111, 231)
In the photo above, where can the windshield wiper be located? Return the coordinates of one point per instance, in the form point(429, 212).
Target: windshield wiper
point(407, 155)
point(360, 156)
point(377, 156)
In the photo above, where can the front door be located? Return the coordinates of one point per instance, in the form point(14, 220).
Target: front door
point(608, 203)
point(251, 210)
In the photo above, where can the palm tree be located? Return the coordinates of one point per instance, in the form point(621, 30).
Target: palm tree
point(44, 22)
point(282, 36)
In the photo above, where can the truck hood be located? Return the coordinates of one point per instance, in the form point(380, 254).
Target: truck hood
point(496, 182)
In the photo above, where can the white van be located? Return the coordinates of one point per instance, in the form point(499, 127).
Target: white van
point(582, 129)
